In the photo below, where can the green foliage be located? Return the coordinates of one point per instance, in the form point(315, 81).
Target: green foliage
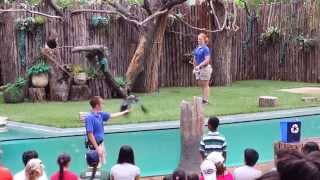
point(121, 81)
point(99, 21)
point(26, 24)
point(135, 2)
point(38, 68)
point(39, 20)
point(77, 68)
point(270, 36)
point(65, 3)
point(94, 73)
point(16, 87)
point(305, 44)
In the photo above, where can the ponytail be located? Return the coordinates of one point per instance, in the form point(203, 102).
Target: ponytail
point(63, 161)
point(94, 170)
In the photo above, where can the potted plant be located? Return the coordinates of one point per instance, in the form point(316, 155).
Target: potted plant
point(13, 92)
point(79, 75)
point(39, 74)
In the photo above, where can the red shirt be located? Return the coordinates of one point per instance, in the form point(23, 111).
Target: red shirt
point(67, 175)
point(226, 176)
point(5, 174)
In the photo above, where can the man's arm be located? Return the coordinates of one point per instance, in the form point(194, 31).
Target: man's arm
point(118, 114)
point(92, 139)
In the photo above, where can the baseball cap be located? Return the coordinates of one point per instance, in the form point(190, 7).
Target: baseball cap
point(208, 170)
point(92, 157)
point(215, 157)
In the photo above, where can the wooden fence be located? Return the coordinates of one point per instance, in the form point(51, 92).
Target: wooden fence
point(250, 60)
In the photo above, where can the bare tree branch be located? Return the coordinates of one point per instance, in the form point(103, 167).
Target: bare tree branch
point(170, 4)
point(215, 15)
point(55, 7)
point(122, 10)
point(234, 25)
point(158, 13)
point(146, 6)
point(29, 11)
point(197, 28)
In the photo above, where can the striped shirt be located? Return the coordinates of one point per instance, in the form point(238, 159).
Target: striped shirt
point(213, 142)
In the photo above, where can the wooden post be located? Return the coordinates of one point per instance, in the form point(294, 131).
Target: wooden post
point(191, 124)
point(37, 94)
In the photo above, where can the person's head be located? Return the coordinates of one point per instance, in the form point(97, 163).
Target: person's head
point(179, 174)
point(28, 155)
point(251, 157)
point(203, 39)
point(310, 147)
point(297, 166)
point(63, 162)
point(96, 102)
point(34, 169)
point(126, 155)
point(167, 177)
point(92, 157)
point(193, 176)
point(213, 123)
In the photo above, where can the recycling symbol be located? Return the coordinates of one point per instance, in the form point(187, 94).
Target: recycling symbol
point(295, 129)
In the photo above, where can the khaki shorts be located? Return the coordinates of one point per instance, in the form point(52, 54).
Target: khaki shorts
point(204, 74)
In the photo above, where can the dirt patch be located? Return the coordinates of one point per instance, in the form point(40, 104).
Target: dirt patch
point(304, 90)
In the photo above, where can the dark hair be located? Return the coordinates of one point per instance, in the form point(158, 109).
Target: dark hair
point(296, 166)
point(272, 175)
point(220, 168)
point(126, 155)
point(94, 101)
point(179, 174)
point(193, 176)
point(27, 155)
point(310, 147)
point(251, 157)
point(63, 160)
point(213, 123)
point(167, 177)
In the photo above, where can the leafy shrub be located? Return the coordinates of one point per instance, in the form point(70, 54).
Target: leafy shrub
point(39, 68)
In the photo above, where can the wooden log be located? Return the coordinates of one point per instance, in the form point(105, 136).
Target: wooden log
point(268, 101)
point(191, 123)
point(37, 94)
point(309, 99)
point(79, 92)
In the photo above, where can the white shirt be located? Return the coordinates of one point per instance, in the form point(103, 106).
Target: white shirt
point(246, 173)
point(125, 171)
point(21, 176)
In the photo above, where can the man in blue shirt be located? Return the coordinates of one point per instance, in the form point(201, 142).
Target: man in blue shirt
point(94, 123)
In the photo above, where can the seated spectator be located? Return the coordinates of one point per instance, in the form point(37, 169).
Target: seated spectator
point(167, 177)
point(213, 168)
point(26, 157)
point(193, 176)
point(208, 170)
point(179, 174)
point(297, 166)
point(5, 173)
point(125, 169)
point(248, 172)
point(34, 169)
point(310, 147)
point(272, 175)
point(64, 173)
point(93, 172)
point(213, 141)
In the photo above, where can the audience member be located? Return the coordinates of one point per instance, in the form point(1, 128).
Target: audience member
point(213, 141)
point(5, 173)
point(34, 169)
point(179, 174)
point(167, 177)
point(297, 166)
point(272, 175)
point(248, 172)
point(125, 169)
point(310, 147)
point(93, 172)
point(64, 173)
point(193, 176)
point(26, 157)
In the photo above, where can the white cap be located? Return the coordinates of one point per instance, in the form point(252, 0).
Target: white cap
point(216, 157)
point(208, 170)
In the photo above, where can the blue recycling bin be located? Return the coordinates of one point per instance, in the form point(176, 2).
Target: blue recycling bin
point(290, 130)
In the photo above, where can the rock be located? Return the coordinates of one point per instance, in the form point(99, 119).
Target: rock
point(268, 101)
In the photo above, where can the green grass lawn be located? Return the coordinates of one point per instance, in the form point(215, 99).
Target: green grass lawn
point(241, 97)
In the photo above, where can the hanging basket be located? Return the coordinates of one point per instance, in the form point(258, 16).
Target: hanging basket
point(40, 80)
point(80, 78)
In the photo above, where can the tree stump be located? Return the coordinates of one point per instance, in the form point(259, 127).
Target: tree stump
point(191, 125)
point(37, 94)
point(309, 99)
point(79, 92)
point(268, 101)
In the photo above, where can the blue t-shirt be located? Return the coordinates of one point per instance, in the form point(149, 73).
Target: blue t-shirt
point(94, 124)
point(200, 53)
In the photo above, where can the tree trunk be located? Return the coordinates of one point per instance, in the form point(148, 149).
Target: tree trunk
point(142, 73)
point(191, 125)
point(37, 94)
